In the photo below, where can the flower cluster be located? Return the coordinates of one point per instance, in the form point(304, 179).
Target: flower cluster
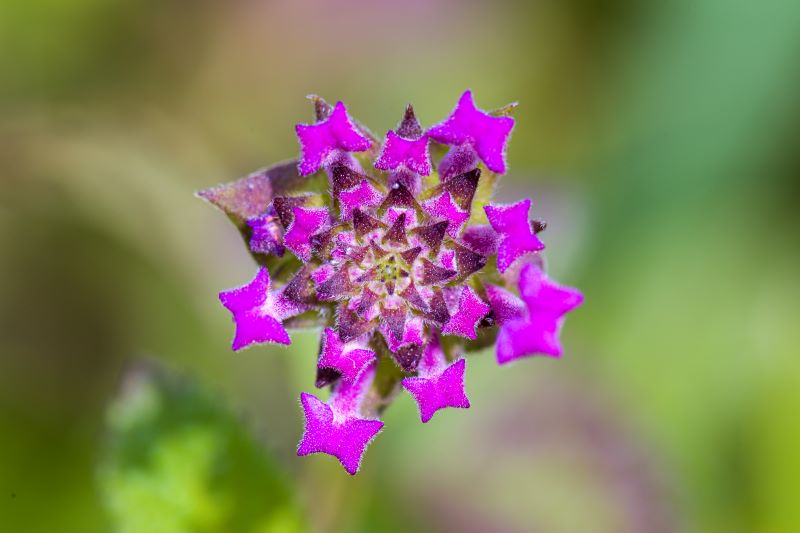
point(392, 249)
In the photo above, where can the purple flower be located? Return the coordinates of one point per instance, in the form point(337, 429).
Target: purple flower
point(514, 228)
point(305, 223)
point(534, 328)
point(438, 384)
point(486, 134)
point(471, 310)
point(258, 312)
point(407, 147)
point(347, 360)
point(392, 264)
point(322, 140)
point(443, 208)
point(336, 427)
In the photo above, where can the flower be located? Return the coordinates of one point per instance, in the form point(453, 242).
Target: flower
point(514, 228)
point(532, 327)
point(438, 384)
point(398, 258)
point(485, 133)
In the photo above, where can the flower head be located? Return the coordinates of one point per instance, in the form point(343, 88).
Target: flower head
point(399, 259)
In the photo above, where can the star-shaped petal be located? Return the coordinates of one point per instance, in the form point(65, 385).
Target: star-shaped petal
point(517, 238)
point(400, 151)
point(437, 385)
point(537, 332)
point(541, 294)
point(257, 312)
point(346, 359)
point(307, 222)
point(487, 134)
point(320, 141)
point(444, 208)
point(344, 437)
point(439, 391)
point(471, 310)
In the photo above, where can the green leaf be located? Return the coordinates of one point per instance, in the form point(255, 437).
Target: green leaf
point(178, 461)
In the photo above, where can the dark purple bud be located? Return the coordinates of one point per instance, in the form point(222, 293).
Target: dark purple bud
point(344, 178)
point(267, 234)
point(300, 288)
point(438, 307)
point(363, 223)
point(409, 127)
point(350, 325)
point(285, 204)
point(434, 274)
point(463, 187)
point(409, 255)
point(397, 233)
point(410, 180)
point(395, 319)
point(482, 239)
point(412, 296)
point(377, 251)
point(399, 196)
point(408, 357)
point(337, 286)
point(468, 261)
point(368, 299)
point(322, 109)
point(322, 242)
point(432, 235)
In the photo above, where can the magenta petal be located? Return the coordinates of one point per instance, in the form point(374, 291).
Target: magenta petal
point(399, 151)
point(469, 125)
point(516, 236)
point(547, 304)
point(253, 312)
point(362, 196)
point(337, 427)
point(543, 295)
point(538, 334)
point(445, 389)
point(306, 223)
point(320, 141)
point(345, 438)
point(443, 208)
point(471, 310)
point(505, 305)
point(345, 359)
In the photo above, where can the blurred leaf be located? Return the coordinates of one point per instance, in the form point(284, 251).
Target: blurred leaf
point(178, 461)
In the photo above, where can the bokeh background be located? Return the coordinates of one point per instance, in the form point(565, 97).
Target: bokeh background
point(658, 139)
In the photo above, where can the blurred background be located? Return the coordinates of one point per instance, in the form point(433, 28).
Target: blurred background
point(658, 139)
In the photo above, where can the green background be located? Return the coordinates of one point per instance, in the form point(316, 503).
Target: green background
point(658, 139)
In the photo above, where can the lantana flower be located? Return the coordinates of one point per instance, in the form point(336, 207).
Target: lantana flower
point(392, 248)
